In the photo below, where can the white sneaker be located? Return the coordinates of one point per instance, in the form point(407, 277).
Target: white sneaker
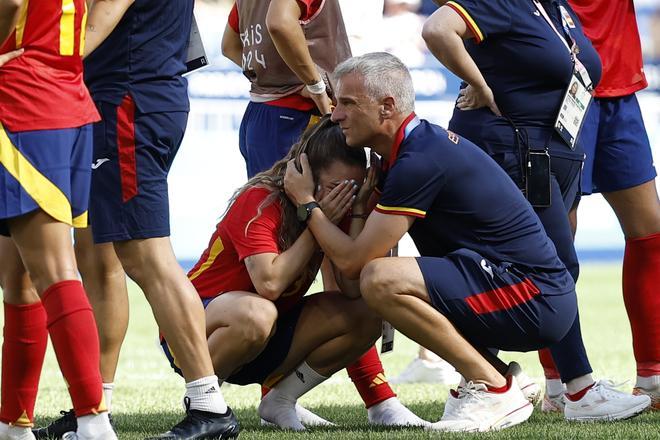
point(552, 403)
point(10, 432)
point(306, 417)
point(420, 370)
point(473, 408)
point(529, 388)
point(392, 412)
point(604, 402)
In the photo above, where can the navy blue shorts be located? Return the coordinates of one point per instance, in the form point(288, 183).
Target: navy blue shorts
point(496, 305)
point(271, 357)
point(47, 170)
point(617, 147)
point(267, 133)
point(133, 153)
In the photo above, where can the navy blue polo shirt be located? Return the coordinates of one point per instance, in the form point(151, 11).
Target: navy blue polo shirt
point(144, 56)
point(525, 64)
point(462, 199)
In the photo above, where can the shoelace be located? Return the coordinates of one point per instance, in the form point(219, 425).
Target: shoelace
point(610, 389)
point(471, 389)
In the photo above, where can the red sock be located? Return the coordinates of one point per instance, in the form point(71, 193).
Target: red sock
point(548, 364)
point(580, 394)
point(502, 389)
point(76, 342)
point(641, 280)
point(23, 351)
point(369, 378)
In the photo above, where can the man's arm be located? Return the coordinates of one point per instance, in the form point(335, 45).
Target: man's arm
point(102, 19)
point(9, 10)
point(232, 47)
point(282, 21)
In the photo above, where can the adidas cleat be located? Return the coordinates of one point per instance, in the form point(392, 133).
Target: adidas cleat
point(203, 425)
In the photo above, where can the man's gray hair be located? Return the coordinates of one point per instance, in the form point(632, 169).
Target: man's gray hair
point(384, 75)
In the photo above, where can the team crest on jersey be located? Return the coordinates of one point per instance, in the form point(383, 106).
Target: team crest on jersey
point(453, 137)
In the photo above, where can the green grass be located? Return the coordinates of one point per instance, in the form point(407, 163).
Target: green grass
point(147, 394)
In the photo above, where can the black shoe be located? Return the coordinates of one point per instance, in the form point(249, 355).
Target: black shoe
point(61, 426)
point(203, 425)
point(58, 427)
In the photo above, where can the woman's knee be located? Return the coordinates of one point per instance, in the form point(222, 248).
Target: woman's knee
point(255, 321)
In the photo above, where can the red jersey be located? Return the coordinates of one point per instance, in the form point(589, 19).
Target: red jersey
point(43, 89)
point(221, 267)
point(612, 28)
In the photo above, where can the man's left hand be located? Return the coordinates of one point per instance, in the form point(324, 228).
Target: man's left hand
point(299, 186)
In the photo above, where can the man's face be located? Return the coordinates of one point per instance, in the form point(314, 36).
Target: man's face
point(358, 115)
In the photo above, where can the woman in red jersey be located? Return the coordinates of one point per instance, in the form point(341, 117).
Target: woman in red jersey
point(261, 261)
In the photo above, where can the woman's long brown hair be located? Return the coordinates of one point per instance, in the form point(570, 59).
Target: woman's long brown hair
point(324, 143)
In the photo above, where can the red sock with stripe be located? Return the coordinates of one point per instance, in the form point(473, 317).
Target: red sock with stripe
point(369, 378)
point(23, 351)
point(641, 280)
point(76, 343)
point(549, 368)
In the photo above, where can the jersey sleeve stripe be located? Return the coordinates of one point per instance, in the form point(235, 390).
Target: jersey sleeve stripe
point(398, 210)
point(44, 192)
point(216, 249)
point(478, 35)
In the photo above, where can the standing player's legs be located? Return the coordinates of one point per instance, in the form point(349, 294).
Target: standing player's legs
point(622, 169)
point(129, 208)
point(24, 343)
point(105, 282)
point(53, 188)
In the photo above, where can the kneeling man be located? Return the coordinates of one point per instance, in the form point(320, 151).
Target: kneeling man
point(488, 275)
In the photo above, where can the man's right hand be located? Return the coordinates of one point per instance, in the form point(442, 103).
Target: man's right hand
point(6, 57)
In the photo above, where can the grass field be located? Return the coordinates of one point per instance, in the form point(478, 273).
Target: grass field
point(147, 394)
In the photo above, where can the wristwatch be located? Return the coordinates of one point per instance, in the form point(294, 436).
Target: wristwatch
point(304, 211)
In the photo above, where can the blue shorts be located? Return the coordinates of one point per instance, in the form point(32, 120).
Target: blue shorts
point(267, 133)
point(271, 357)
point(133, 153)
point(496, 305)
point(616, 145)
point(47, 170)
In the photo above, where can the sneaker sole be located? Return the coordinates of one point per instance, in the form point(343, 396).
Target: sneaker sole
point(515, 417)
point(623, 415)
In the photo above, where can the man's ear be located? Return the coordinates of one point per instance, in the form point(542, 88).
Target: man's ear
point(387, 108)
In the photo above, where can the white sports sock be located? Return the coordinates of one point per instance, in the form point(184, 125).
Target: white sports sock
point(579, 383)
point(107, 393)
point(15, 432)
point(648, 383)
point(205, 395)
point(554, 387)
point(279, 405)
point(391, 412)
point(93, 426)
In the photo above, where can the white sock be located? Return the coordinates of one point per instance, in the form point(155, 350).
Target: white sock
point(11, 432)
point(279, 405)
point(648, 383)
point(554, 387)
point(93, 425)
point(107, 394)
point(205, 395)
point(579, 383)
point(391, 412)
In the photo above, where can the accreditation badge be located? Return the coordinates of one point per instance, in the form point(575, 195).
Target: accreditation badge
point(196, 55)
point(572, 111)
point(387, 343)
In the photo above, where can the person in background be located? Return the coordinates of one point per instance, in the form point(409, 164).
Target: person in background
point(510, 109)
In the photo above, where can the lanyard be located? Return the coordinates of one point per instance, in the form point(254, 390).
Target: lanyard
point(579, 67)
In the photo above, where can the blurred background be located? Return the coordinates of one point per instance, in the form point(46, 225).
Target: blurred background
point(209, 166)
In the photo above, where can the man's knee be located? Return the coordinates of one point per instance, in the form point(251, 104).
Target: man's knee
point(376, 281)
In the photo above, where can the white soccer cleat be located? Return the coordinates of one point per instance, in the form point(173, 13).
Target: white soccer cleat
point(603, 402)
point(472, 408)
point(280, 411)
point(10, 432)
point(391, 412)
point(306, 417)
point(108, 435)
point(423, 371)
point(529, 388)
